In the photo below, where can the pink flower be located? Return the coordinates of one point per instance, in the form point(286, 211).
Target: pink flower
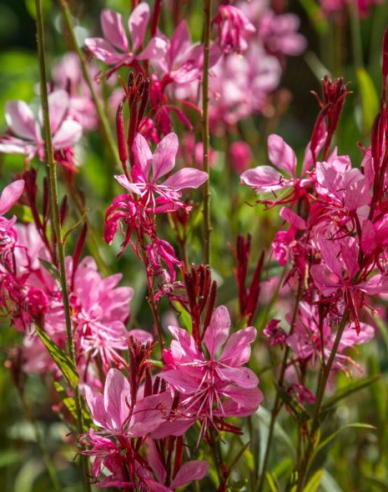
point(182, 62)
point(161, 162)
point(114, 48)
point(115, 413)
point(9, 196)
point(213, 386)
point(27, 138)
point(266, 179)
point(233, 29)
point(278, 34)
point(307, 340)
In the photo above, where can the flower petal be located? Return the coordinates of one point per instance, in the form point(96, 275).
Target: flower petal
point(142, 154)
point(113, 29)
point(281, 155)
point(237, 350)
point(218, 330)
point(164, 156)
point(116, 392)
point(11, 195)
point(68, 134)
point(263, 179)
point(103, 50)
point(21, 120)
point(190, 471)
point(154, 50)
point(187, 177)
point(58, 102)
point(137, 24)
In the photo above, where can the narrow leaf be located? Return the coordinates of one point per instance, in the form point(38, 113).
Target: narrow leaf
point(63, 362)
point(337, 432)
point(369, 99)
point(271, 482)
point(314, 482)
point(348, 390)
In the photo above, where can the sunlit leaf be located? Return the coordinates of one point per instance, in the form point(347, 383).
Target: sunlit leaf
point(63, 362)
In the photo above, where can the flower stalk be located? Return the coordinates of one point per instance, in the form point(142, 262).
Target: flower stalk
point(205, 123)
point(53, 187)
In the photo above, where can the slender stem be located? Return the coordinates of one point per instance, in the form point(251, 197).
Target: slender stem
point(53, 185)
point(205, 123)
point(324, 377)
point(106, 130)
point(278, 401)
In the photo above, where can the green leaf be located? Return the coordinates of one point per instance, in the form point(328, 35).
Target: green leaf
point(329, 484)
point(348, 390)
point(70, 404)
point(337, 432)
point(53, 270)
point(63, 362)
point(271, 482)
point(369, 99)
point(247, 454)
point(314, 482)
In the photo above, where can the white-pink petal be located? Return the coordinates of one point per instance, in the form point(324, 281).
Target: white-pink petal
point(68, 134)
point(187, 177)
point(116, 398)
point(113, 29)
point(21, 120)
point(11, 195)
point(164, 156)
point(281, 155)
point(58, 102)
point(218, 330)
point(154, 51)
point(190, 471)
point(103, 50)
point(237, 350)
point(142, 154)
point(263, 179)
point(137, 24)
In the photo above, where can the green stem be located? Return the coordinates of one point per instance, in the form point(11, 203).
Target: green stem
point(324, 377)
point(53, 186)
point(278, 401)
point(205, 123)
point(106, 130)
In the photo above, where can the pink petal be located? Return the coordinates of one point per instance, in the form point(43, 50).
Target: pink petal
point(103, 50)
point(175, 428)
point(96, 404)
point(123, 180)
point(237, 350)
point(116, 394)
point(150, 413)
point(187, 177)
point(58, 106)
point(68, 134)
point(21, 120)
point(11, 195)
point(155, 461)
point(263, 179)
point(113, 29)
point(180, 41)
point(185, 380)
point(292, 218)
point(143, 154)
point(281, 155)
point(154, 50)
point(193, 470)
point(164, 156)
point(323, 281)
point(242, 376)
point(246, 397)
point(137, 24)
point(218, 330)
point(378, 284)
